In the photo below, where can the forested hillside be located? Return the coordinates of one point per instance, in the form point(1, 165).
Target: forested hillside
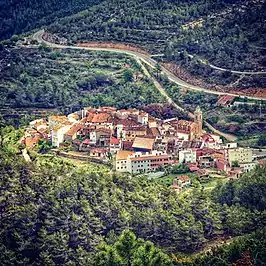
point(53, 213)
point(223, 32)
point(19, 16)
point(66, 79)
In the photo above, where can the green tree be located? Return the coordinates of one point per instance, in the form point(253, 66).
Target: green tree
point(262, 140)
point(128, 75)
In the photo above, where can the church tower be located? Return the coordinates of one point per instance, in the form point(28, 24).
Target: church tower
point(198, 121)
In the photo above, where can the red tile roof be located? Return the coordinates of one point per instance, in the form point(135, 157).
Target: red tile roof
point(143, 143)
point(183, 178)
point(114, 140)
point(73, 130)
point(86, 141)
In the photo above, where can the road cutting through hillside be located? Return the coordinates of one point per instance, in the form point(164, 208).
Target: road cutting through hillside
point(38, 36)
point(146, 58)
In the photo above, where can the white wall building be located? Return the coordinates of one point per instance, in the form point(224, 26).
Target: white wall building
point(93, 137)
point(121, 160)
point(187, 156)
point(58, 134)
point(248, 166)
point(143, 118)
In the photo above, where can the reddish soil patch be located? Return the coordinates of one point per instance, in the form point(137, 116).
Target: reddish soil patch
point(256, 92)
point(121, 46)
point(181, 73)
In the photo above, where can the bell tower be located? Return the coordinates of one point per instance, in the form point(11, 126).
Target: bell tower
point(198, 121)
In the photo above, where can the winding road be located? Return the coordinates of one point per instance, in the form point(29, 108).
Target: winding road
point(38, 36)
point(205, 62)
point(152, 63)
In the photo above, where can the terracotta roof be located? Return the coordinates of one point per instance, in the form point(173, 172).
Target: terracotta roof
point(30, 142)
point(114, 140)
point(62, 125)
point(143, 143)
point(86, 141)
point(208, 138)
point(58, 118)
point(100, 118)
point(74, 130)
point(103, 129)
point(99, 150)
point(122, 155)
point(193, 168)
point(183, 178)
point(154, 131)
point(130, 121)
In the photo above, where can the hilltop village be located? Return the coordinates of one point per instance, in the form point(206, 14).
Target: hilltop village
point(137, 142)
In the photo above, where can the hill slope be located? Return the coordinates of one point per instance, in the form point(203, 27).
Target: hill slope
point(20, 16)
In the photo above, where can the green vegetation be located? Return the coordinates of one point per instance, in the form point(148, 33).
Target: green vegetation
point(55, 213)
point(128, 250)
point(245, 250)
point(21, 16)
point(68, 80)
point(262, 140)
point(225, 33)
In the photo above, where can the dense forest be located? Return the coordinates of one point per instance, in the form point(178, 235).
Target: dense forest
point(20, 16)
point(55, 213)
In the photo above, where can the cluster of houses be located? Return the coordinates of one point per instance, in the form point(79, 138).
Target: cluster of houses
point(139, 142)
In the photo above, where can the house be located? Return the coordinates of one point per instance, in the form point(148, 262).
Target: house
point(225, 100)
point(231, 145)
point(240, 155)
point(55, 121)
point(115, 144)
point(183, 181)
point(187, 156)
point(236, 172)
point(99, 152)
point(211, 141)
point(127, 145)
point(121, 160)
point(206, 161)
point(72, 133)
point(74, 117)
point(132, 132)
point(143, 118)
point(100, 120)
point(221, 164)
point(140, 162)
point(58, 133)
point(103, 137)
point(85, 145)
point(143, 144)
point(247, 167)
